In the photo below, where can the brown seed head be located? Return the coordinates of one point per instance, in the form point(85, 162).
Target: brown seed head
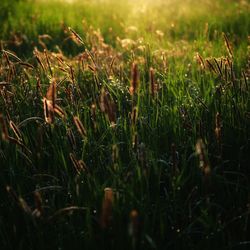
point(51, 93)
point(48, 111)
point(107, 204)
point(80, 127)
point(134, 79)
point(59, 111)
point(107, 106)
point(75, 162)
point(200, 61)
point(38, 204)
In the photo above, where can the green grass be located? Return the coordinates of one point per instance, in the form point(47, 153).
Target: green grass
point(188, 193)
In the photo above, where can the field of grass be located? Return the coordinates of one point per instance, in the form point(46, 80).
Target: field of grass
point(125, 124)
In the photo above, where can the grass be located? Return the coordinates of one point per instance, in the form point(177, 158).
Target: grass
point(129, 130)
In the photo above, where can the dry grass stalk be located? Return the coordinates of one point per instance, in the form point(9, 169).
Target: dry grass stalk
point(92, 68)
point(106, 215)
point(82, 165)
point(93, 116)
point(24, 206)
point(28, 65)
point(11, 73)
point(80, 127)
point(41, 39)
point(107, 106)
point(72, 75)
point(218, 67)
point(78, 165)
point(76, 36)
point(135, 141)
point(7, 53)
point(153, 85)
point(228, 45)
point(52, 93)
point(19, 200)
point(59, 111)
point(200, 61)
point(71, 138)
point(112, 64)
point(48, 111)
point(225, 73)
point(19, 143)
point(7, 97)
point(5, 134)
point(12, 193)
point(221, 64)
point(38, 204)
point(65, 210)
point(69, 93)
point(218, 127)
point(134, 116)
point(228, 61)
point(38, 87)
point(63, 69)
point(202, 103)
point(39, 61)
point(75, 162)
point(134, 79)
point(60, 59)
point(4, 84)
point(92, 59)
point(232, 72)
point(245, 79)
point(16, 131)
point(203, 161)
point(210, 66)
point(48, 62)
point(7, 59)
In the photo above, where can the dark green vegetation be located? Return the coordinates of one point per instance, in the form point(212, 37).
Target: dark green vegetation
point(129, 131)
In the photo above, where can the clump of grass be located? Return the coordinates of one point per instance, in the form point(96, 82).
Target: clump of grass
point(158, 115)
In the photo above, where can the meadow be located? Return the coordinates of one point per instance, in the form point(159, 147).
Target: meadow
point(124, 124)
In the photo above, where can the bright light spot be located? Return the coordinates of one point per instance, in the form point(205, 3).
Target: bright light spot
point(68, 1)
